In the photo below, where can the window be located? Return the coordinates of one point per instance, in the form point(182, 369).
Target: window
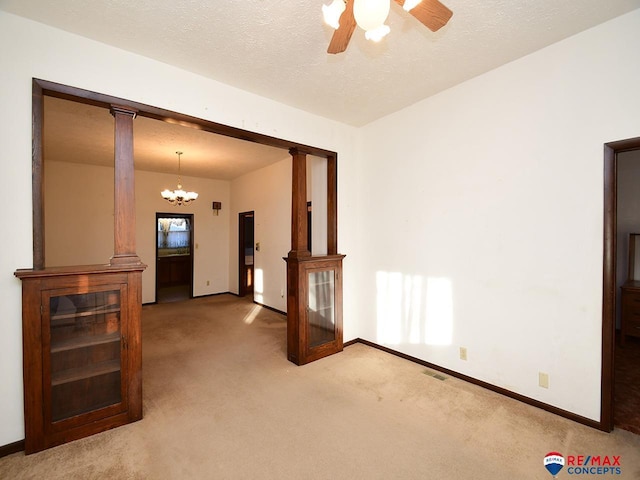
point(173, 236)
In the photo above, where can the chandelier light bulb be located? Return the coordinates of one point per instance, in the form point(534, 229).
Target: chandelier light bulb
point(332, 13)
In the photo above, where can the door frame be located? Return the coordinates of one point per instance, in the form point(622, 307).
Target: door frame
point(242, 279)
point(611, 151)
point(190, 217)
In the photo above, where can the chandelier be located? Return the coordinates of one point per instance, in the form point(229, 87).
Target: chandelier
point(178, 196)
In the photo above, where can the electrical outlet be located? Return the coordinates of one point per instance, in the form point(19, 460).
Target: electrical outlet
point(543, 379)
point(463, 353)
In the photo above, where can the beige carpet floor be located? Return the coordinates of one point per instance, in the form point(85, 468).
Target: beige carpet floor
point(222, 402)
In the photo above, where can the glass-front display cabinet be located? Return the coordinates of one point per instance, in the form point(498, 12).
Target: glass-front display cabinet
point(83, 352)
point(321, 307)
point(314, 317)
point(82, 355)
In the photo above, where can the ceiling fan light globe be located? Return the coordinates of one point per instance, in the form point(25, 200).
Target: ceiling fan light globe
point(377, 34)
point(332, 13)
point(371, 14)
point(409, 4)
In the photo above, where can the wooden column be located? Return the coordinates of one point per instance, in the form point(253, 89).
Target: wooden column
point(332, 206)
point(299, 247)
point(37, 179)
point(124, 247)
point(299, 251)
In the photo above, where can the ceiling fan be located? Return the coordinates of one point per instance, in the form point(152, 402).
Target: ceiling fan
point(370, 15)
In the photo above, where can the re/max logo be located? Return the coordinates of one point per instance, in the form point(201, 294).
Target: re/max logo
point(589, 460)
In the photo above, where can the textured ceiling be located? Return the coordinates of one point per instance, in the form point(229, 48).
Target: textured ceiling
point(79, 133)
point(277, 48)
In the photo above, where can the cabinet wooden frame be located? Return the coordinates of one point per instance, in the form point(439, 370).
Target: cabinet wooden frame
point(51, 290)
point(299, 349)
point(41, 431)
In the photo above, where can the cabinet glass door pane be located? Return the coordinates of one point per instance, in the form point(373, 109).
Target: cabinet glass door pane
point(85, 352)
point(321, 302)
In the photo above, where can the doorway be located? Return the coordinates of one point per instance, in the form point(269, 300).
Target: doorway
point(627, 346)
point(246, 253)
point(611, 349)
point(174, 257)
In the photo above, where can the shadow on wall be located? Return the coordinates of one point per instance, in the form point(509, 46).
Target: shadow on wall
point(413, 309)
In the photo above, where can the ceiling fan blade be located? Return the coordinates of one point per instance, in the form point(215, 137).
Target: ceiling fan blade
point(431, 13)
point(342, 35)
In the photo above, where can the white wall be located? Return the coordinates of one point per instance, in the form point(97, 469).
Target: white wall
point(317, 195)
point(486, 214)
point(211, 232)
point(628, 217)
point(32, 50)
point(78, 214)
point(79, 222)
point(267, 192)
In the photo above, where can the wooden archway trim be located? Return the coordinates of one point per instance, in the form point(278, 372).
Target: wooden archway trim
point(45, 87)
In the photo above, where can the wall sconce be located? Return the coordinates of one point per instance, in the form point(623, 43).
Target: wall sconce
point(217, 206)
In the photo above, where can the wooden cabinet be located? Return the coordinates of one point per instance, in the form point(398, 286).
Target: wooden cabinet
point(81, 348)
point(314, 307)
point(630, 310)
point(630, 292)
point(173, 270)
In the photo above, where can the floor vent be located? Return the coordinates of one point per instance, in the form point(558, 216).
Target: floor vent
point(436, 375)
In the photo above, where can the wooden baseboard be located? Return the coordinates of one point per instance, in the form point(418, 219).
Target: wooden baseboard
point(270, 308)
point(502, 391)
point(14, 447)
point(212, 295)
point(261, 304)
